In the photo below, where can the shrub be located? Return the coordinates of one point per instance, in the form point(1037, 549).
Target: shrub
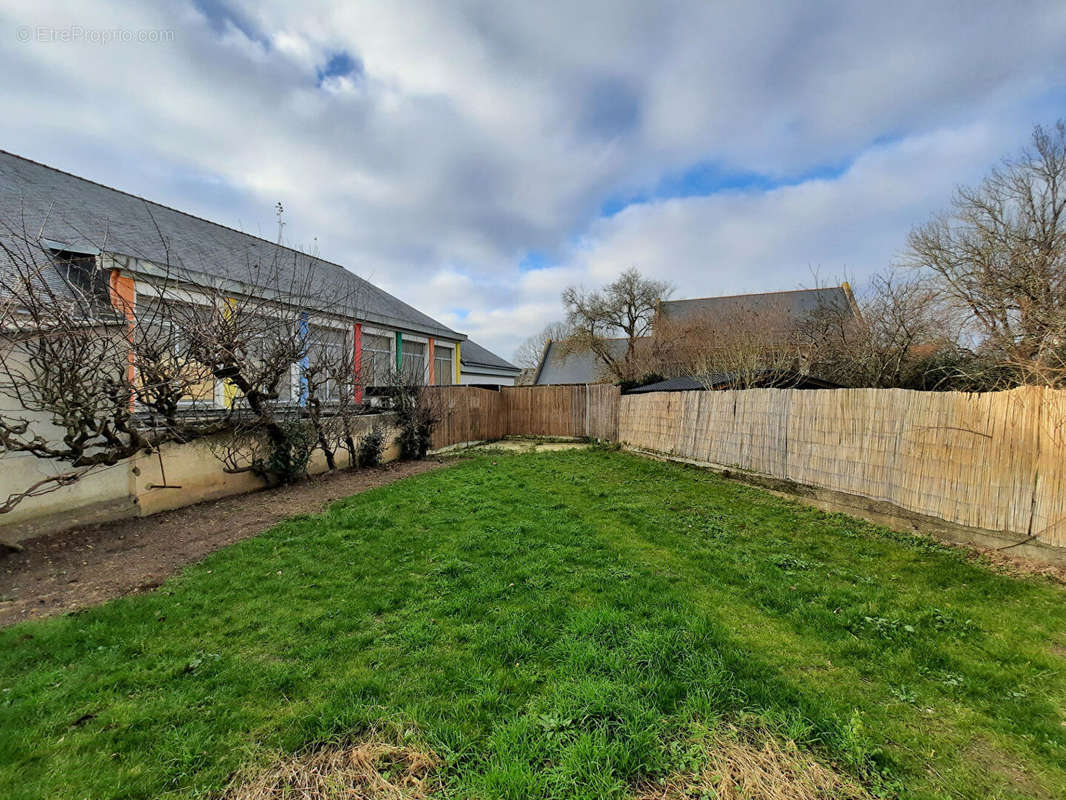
point(370, 448)
point(414, 439)
point(416, 416)
point(287, 459)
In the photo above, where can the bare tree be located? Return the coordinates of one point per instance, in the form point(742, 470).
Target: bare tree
point(330, 379)
point(624, 308)
point(67, 377)
point(999, 256)
point(527, 355)
point(289, 366)
point(902, 336)
point(740, 350)
point(89, 381)
point(418, 408)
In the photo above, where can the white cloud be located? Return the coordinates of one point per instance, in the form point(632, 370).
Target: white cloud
point(473, 133)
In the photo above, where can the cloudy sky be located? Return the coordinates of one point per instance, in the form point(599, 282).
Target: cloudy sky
point(475, 158)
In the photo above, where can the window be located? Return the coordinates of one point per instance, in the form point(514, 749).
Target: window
point(329, 363)
point(271, 348)
point(80, 273)
point(414, 361)
point(377, 359)
point(164, 348)
point(443, 372)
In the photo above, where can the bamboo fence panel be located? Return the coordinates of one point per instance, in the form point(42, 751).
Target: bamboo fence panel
point(995, 461)
point(601, 419)
point(1049, 499)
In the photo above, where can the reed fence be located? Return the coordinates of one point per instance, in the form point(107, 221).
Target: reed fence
point(995, 461)
point(467, 414)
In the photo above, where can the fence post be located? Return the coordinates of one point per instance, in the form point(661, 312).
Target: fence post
point(588, 429)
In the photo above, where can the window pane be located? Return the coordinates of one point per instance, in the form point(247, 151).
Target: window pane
point(329, 364)
point(377, 359)
point(442, 367)
point(414, 360)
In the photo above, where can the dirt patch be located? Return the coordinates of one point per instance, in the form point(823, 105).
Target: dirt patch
point(64, 571)
point(988, 757)
point(746, 764)
point(533, 446)
point(367, 770)
point(1003, 561)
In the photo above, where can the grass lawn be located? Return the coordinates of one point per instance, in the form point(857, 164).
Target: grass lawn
point(558, 625)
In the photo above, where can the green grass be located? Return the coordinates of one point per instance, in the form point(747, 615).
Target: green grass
point(554, 625)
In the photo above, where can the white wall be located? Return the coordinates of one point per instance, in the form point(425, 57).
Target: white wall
point(467, 378)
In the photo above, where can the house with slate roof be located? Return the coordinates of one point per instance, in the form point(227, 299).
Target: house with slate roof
point(138, 249)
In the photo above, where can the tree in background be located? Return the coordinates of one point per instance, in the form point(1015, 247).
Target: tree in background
point(998, 257)
point(527, 355)
point(903, 336)
point(625, 308)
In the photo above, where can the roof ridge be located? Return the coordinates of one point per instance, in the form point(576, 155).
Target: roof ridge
point(177, 211)
point(606, 339)
point(751, 294)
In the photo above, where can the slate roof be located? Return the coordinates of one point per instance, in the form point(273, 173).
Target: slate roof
point(771, 379)
point(683, 384)
point(772, 309)
point(575, 367)
point(80, 213)
point(474, 355)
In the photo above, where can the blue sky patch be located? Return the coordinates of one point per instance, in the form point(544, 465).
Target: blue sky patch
point(219, 16)
point(708, 178)
point(339, 65)
point(533, 260)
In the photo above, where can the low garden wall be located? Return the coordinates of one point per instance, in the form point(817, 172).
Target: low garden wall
point(182, 474)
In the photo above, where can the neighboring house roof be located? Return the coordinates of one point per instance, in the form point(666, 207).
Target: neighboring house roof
point(773, 309)
point(577, 366)
point(770, 380)
point(683, 384)
point(78, 213)
point(476, 358)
